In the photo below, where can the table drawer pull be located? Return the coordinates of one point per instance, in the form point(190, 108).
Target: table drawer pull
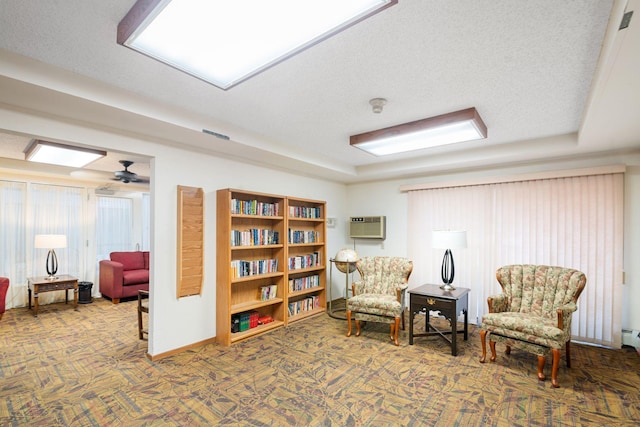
point(431, 301)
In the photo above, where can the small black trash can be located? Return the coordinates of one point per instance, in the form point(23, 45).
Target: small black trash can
point(84, 292)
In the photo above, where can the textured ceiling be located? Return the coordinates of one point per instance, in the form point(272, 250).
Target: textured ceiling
point(527, 66)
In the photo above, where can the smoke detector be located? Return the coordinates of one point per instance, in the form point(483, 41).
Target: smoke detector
point(377, 104)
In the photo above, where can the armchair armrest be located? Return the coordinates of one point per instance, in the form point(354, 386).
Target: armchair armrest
point(498, 303)
point(400, 292)
point(356, 287)
point(111, 279)
point(564, 314)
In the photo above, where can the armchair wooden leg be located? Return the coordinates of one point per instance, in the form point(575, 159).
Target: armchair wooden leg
point(403, 320)
point(395, 327)
point(115, 300)
point(541, 362)
point(492, 346)
point(554, 367)
point(357, 328)
point(348, 323)
point(568, 351)
point(483, 341)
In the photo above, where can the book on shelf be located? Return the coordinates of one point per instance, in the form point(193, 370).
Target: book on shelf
point(305, 261)
point(306, 304)
point(302, 283)
point(268, 292)
point(305, 212)
point(254, 237)
point(241, 268)
point(254, 207)
point(303, 236)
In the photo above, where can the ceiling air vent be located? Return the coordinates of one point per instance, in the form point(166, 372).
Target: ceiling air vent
point(626, 19)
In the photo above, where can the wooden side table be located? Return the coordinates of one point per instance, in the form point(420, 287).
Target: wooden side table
point(41, 284)
point(448, 303)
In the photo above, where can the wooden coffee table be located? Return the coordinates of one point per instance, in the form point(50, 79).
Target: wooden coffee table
point(449, 303)
point(62, 282)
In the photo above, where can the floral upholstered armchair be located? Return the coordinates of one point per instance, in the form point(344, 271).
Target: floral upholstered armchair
point(379, 296)
point(533, 313)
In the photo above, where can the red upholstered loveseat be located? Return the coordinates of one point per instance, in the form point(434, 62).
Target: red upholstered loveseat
point(124, 275)
point(4, 286)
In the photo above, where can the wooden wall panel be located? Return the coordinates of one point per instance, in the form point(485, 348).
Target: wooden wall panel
point(190, 262)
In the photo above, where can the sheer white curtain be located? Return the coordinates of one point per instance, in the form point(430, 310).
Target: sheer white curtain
point(114, 223)
point(13, 256)
point(573, 222)
point(56, 209)
point(146, 222)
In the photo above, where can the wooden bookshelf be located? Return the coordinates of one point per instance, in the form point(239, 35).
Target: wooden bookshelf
point(246, 225)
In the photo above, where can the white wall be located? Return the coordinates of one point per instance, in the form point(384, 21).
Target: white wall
point(385, 198)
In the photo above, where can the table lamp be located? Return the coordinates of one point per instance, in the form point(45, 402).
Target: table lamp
point(445, 239)
point(51, 242)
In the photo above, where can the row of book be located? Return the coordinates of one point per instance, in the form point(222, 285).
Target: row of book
point(304, 212)
point(254, 207)
point(302, 283)
point(303, 236)
point(268, 292)
point(305, 261)
point(249, 319)
point(241, 268)
point(254, 237)
point(306, 304)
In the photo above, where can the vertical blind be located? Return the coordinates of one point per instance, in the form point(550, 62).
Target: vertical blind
point(574, 222)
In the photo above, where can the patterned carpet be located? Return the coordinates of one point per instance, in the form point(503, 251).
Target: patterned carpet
point(88, 368)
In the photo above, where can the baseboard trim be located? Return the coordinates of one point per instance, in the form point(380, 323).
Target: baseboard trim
point(156, 357)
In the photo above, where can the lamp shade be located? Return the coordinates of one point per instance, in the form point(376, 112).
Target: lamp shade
point(446, 239)
point(50, 241)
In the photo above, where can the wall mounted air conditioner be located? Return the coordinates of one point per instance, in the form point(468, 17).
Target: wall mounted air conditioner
point(368, 227)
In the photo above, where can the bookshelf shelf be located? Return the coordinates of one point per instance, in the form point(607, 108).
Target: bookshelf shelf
point(246, 218)
point(293, 294)
point(239, 336)
point(256, 277)
point(253, 305)
point(251, 247)
point(305, 314)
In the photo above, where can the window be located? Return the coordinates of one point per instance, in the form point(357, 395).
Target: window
point(574, 222)
point(114, 222)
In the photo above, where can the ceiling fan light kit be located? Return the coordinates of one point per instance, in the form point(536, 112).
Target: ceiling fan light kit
point(450, 128)
point(126, 176)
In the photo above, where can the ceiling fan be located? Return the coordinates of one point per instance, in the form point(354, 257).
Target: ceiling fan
point(126, 176)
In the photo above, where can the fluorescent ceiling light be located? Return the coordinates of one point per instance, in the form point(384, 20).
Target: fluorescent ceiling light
point(460, 126)
point(60, 154)
point(224, 42)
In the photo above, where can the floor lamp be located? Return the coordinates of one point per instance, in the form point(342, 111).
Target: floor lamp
point(51, 242)
point(445, 239)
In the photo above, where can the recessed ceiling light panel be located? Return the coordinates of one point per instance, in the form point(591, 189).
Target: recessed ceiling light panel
point(227, 41)
point(450, 128)
point(59, 154)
